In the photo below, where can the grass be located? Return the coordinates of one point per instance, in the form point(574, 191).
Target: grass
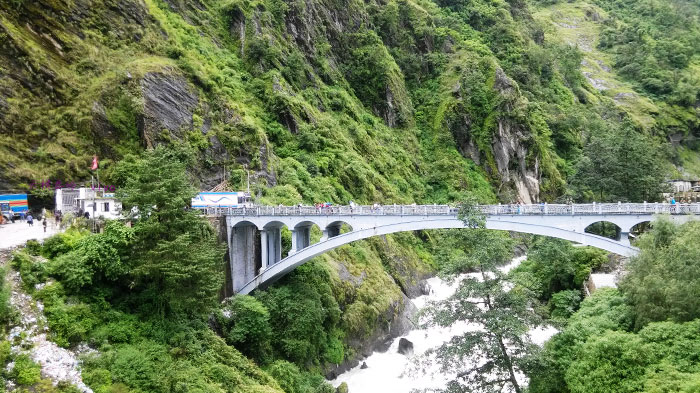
point(569, 23)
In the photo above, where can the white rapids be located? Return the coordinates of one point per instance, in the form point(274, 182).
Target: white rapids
point(390, 371)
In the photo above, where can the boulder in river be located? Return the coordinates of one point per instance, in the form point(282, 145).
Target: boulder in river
point(342, 388)
point(364, 366)
point(405, 347)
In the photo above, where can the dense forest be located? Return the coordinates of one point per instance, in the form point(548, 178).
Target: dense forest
point(398, 101)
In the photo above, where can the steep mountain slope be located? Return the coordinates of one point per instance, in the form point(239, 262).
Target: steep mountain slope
point(338, 101)
point(643, 56)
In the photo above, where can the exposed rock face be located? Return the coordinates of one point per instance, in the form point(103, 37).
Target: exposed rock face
point(508, 157)
point(364, 366)
point(168, 104)
point(405, 347)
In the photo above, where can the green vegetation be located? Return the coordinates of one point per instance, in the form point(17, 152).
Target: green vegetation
point(554, 272)
point(142, 294)
point(661, 284)
point(642, 338)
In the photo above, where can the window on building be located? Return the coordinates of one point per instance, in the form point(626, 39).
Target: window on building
point(106, 207)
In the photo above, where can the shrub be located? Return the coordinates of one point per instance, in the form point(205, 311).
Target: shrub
point(25, 371)
point(62, 243)
point(247, 326)
point(564, 303)
point(69, 323)
point(31, 271)
point(33, 247)
point(5, 308)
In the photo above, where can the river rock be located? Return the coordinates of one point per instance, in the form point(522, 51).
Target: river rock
point(342, 388)
point(405, 347)
point(424, 287)
point(364, 366)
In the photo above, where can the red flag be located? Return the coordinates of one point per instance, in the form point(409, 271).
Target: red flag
point(95, 164)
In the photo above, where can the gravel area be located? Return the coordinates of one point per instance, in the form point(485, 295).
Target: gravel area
point(29, 334)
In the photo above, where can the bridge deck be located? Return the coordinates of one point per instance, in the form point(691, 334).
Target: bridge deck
point(430, 210)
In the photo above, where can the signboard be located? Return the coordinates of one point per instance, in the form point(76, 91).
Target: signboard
point(219, 199)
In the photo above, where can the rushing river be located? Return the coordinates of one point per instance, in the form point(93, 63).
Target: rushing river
point(388, 372)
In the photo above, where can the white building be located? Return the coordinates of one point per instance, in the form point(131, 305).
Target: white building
point(96, 202)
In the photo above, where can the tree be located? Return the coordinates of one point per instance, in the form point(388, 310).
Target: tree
point(488, 359)
point(662, 280)
point(245, 324)
point(614, 362)
point(620, 165)
point(178, 262)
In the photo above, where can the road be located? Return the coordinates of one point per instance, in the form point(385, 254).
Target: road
point(16, 234)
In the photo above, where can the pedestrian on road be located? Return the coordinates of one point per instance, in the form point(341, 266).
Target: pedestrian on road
point(30, 220)
point(45, 224)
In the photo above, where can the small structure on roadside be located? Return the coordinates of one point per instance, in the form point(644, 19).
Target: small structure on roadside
point(95, 202)
point(599, 280)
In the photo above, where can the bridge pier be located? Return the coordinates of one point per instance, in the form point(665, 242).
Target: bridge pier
point(242, 255)
point(271, 246)
point(625, 238)
point(301, 238)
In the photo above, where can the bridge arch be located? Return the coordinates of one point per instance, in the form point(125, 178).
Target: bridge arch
point(604, 228)
point(278, 270)
point(334, 229)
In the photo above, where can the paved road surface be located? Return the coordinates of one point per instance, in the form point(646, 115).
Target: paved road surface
point(16, 234)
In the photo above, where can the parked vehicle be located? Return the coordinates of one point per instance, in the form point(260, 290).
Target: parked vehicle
point(13, 206)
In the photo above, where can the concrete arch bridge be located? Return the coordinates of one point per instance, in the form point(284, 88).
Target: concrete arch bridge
point(255, 240)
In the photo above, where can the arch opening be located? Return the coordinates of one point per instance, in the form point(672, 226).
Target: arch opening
point(242, 224)
point(274, 237)
point(605, 229)
point(639, 229)
point(304, 234)
point(336, 228)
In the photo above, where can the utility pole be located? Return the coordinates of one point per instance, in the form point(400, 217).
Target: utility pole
point(248, 181)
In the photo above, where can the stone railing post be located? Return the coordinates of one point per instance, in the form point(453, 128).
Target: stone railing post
point(546, 208)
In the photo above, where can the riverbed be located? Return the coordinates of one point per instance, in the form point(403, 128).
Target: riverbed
point(390, 371)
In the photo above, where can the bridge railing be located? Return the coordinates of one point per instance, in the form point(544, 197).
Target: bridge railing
point(448, 210)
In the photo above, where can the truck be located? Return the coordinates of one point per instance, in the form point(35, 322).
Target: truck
point(13, 206)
